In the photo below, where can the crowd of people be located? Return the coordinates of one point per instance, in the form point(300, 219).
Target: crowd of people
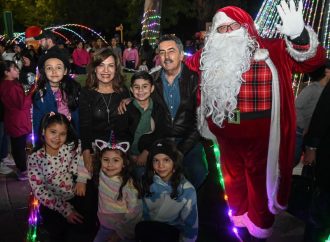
point(117, 163)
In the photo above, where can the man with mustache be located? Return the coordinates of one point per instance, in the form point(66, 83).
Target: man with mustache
point(247, 105)
point(175, 89)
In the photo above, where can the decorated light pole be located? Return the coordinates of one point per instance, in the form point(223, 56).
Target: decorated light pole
point(151, 21)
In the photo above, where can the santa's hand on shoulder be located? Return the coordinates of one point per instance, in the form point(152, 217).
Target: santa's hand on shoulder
point(292, 19)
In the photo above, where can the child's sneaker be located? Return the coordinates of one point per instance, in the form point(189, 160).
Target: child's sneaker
point(8, 161)
point(22, 176)
point(5, 170)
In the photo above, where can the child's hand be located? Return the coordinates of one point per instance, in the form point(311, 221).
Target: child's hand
point(142, 158)
point(114, 238)
point(80, 189)
point(74, 218)
point(88, 160)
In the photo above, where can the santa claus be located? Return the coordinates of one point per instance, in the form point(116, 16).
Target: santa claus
point(247, 106)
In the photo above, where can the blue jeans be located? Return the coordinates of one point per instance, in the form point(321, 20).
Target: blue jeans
point(104, 234)
point(195, 165)
point(299, 145)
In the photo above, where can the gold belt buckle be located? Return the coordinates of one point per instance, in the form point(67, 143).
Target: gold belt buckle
point(236, 119)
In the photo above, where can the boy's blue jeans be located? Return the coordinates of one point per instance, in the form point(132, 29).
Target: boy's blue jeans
point(195, 165)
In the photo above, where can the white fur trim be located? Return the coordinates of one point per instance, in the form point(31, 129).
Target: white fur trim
point(28, 39)
point(302, 56)
point(261, 55)
point(203, 126)
point(238, 221)
point(272, 177)
point(256, 231)
point(220, 18)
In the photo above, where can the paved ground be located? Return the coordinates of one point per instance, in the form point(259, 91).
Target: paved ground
point(14, 201)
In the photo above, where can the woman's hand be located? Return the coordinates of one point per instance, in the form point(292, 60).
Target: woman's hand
point(74, 218)
point(123, 104)
point(88, 160)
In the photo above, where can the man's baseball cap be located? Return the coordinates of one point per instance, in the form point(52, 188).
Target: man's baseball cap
point(47, 34)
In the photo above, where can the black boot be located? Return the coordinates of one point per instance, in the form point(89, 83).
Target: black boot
point(244, 234)
point(254, 239)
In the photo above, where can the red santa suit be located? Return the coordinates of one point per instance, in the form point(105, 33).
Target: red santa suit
point(257, 153)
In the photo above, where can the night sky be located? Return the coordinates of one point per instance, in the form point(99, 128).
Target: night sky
point(188, 27)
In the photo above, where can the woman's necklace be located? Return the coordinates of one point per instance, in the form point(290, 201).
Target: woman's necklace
point(107, 105)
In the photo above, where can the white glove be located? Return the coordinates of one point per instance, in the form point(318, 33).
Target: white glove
point(293, 21)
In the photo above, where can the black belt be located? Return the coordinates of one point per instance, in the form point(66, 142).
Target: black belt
point(255, 115)
point(238, 116)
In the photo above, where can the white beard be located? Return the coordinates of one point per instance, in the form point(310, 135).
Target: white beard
point(224, 59)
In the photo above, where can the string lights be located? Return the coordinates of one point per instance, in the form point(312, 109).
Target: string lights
point(150, 26)
point(34, 219)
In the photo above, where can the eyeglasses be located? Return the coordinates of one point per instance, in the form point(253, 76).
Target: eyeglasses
point(224, 28)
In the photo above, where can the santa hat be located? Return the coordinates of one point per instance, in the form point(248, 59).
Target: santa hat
point(224, 15)
point(32, 32)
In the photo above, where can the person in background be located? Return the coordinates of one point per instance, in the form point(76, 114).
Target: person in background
point(116, 49)
point(317, 153)
point(130, 56)
point(99, 44)
point(80, 58)
point(143, 66)
point(146, 53)
point(156, 59)
point(6, 52)
point(17, 114)
point(4, 169)
point(47, 41)
point(18, 49)
point(305, 104)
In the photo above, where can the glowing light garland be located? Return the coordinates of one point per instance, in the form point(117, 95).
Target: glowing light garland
point(55, 29)
point(150, 26)
point(64, 37)
point(64, 28)
point(34, 219)
point(84, 27)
